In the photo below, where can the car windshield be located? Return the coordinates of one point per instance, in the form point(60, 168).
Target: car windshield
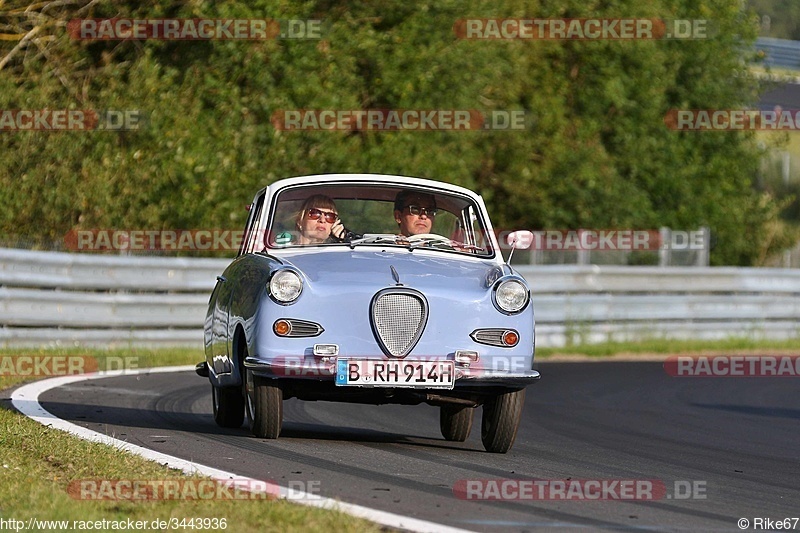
point(356, 215)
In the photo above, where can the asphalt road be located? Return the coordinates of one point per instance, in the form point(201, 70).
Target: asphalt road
point(735, 441)
point(785, 96)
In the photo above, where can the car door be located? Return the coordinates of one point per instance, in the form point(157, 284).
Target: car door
point(218, 329)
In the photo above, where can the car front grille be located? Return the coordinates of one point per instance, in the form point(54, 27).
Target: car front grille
point(398, 319)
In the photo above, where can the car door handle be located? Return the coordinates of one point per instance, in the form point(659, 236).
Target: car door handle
point(221, 279)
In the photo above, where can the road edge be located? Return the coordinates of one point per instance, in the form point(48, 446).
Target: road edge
point(25, 399)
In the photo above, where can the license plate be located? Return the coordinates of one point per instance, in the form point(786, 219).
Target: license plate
point(382, 373)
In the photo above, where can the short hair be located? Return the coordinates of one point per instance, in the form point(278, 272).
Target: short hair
point(408, 197)
point(318, 201)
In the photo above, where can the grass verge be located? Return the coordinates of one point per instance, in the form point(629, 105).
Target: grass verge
point(37, 465)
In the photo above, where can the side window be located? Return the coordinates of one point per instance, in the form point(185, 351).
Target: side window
point(251, 240)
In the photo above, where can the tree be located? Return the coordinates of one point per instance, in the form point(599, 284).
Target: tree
point(596, 152)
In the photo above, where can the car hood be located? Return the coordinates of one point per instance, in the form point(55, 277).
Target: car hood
point(415, 269)
point(340, 285)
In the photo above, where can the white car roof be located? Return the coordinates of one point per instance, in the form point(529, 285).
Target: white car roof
point(382, 179)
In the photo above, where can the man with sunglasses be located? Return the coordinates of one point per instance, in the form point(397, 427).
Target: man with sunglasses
point(414, 212)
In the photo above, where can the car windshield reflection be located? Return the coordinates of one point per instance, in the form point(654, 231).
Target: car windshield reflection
point(348, 214)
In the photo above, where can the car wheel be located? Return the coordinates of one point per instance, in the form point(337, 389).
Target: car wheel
point(228, 406)
point(455, 421)
point(501, 416)
point(264, 406)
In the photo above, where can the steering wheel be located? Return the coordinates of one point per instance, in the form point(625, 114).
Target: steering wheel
point(431, 238)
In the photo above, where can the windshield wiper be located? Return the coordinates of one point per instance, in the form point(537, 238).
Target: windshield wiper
point(431, 242)
point(374, 239)
point(457, 246)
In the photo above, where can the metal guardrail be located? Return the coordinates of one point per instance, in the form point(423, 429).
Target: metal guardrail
point(676, 248)
point(782, 53)
point(24, 268)
point(49, 298)
point(595, 304)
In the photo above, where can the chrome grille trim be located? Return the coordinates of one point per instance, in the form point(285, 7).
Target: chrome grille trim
point(490, 336)
point(398, 317)
point(303, 328)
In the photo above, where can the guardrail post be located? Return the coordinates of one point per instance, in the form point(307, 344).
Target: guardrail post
point(703, 255)
point(664, 250)
point(584, 256)
point(787, 167)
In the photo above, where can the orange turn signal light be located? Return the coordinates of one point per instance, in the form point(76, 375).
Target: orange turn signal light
point(510, 338)
point(282, 327)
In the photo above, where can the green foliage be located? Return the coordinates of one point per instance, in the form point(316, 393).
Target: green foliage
point(778, 18)
point(597, 153)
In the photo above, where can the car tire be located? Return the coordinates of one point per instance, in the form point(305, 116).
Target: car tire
point(228, 406)
point(455, 421)
point(500, 421)
point(264, 406)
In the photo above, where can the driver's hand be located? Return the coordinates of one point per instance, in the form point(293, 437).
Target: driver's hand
point(337, 230)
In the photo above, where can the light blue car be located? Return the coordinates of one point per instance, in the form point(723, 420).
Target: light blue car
point(372, 289)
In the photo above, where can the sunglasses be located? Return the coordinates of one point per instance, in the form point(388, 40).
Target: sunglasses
point(429, 212)
point(315, 214)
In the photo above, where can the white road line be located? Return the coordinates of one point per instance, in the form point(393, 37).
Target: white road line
point(26, 400)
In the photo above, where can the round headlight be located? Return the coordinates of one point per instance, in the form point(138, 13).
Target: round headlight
point(285, 286)
point(511, 296)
